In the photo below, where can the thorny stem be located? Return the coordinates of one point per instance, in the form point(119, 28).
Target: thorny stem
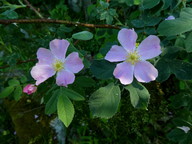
point(10, 21)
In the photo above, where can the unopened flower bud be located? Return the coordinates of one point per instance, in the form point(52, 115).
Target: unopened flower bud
point(29, 89)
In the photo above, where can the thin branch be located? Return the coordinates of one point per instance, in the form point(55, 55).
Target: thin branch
point(32, 8)
point(40, 107)
point(188, 87)
point(19, 62)
point(10, 21)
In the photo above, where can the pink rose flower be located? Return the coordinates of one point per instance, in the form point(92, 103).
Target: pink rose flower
point(134, 58)
point(29, 89)
point(53, 62)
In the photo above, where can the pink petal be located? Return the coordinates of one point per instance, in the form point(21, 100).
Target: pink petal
point(59, 48)
point(73, 63)
point(116, 54)
point(41, 73)
point(45, 56)
point(64, 78)
point(127, 38)
point(29, 89)
point(145, 72)
point(149, 47)
point(124, 72)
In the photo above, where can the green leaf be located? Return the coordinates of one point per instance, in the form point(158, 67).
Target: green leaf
point(7, 91)
point(102, 69)
point(146, 21)
point(105, 101)
point(84, 81)
point(86, 63)
point(104, 15)
point(148, 4)
point(179, 42)
point(17, 93)
point(104, 5)
point(64, 29)
point(11, 14)
point(174, 27)
point(188, 43)
point(152, 21)
point(181, 69)
point(176, 135)
point(150, 31)
point(72, 94)
point(138, 23)
point(171, 52)
point(51, 105)
point(177, 26)
point(139, 95)
point(186, 13)
point(128, 2)
point(112, 12)
point(183, 99)
point(13, 82)
point(23, 79)
point(164, 70)
point(166, 3)
point(188, 138)
point(109, 19)
point(137, 2)
point(84, 35)
point(65, 110)
point(72, 48)
point(106, 47)
point(181, 122)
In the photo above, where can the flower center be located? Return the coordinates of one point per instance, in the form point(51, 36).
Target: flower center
point(133, 58)
point(58, 65)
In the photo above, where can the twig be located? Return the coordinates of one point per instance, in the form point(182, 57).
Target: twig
point(188, 87)
point(18, 62)
point(32, 8)
point(10, 21)
point(76, 42)
point(33, 109)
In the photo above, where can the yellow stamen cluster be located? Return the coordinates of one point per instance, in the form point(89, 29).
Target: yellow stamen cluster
point(58, 65)
point(133, 58)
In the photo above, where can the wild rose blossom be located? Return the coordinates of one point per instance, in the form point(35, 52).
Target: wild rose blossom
point(184, 128)
point(170, 17)
point(29, 89)
point(133, 57)
point(53, 62)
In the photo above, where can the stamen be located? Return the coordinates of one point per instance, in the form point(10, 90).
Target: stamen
point(58, 65)
point(133, 58)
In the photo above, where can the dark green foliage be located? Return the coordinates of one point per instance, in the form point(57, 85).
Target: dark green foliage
point(105, 101)
point(139, 95)
point(102, 69)
point(154, 114)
